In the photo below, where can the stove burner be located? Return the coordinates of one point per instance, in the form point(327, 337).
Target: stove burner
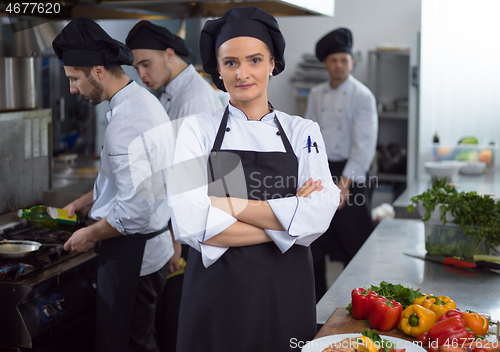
point(14, 271)
point(50, 253)
point(47, 297)
point(26, 231)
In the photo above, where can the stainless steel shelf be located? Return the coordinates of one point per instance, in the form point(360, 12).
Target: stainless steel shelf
point(396, 115)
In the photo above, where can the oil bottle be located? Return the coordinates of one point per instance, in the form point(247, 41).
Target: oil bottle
point(52, 218)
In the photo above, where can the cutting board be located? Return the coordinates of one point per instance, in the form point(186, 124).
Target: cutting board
point(341, 322)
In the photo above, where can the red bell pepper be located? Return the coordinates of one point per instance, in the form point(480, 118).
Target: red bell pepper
point(449, 331)
point(451, 313)
point(385, 314)
point(362, 301)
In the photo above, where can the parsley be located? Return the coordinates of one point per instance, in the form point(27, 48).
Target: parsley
point(386, 345)
point(399, 293)
point(477, 216)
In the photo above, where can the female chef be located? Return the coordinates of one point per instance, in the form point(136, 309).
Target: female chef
point(249, 282)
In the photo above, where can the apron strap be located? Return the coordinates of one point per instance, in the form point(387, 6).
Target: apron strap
point(146, 236)
point(222, 131)
point(150, 235)
point(284, 138)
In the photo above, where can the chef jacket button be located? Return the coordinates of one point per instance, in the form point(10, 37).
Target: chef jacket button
point(278, 133)
point(228, 129)
point(345, 93)
point(338, 128)
point(336, 147)
point(340, 110)
point(214, 153)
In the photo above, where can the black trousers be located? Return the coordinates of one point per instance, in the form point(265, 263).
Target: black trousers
point(143, 336)
point(167, 314)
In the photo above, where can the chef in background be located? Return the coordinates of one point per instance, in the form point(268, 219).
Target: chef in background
point(345, 110)
point(129, 199)
point(158, 60)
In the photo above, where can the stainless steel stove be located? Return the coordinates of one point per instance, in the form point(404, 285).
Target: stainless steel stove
point(46, 297)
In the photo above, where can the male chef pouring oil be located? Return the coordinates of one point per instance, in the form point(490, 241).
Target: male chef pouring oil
point(131, 231)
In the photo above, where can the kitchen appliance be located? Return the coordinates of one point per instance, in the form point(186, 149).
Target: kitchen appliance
point(18, 82)
point(44, 298)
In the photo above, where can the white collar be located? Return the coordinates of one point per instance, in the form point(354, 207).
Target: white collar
point(237, 113)
point(178, 81)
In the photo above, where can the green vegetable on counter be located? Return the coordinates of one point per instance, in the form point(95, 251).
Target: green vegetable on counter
point(477, 216)
point(399, 293)
point(384, 344)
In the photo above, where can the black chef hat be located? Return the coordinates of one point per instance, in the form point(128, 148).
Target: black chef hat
point(84, 43)
point(146, 35)
point(240, 22)
point(337, 41)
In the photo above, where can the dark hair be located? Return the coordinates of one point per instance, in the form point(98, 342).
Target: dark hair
point(115, 70)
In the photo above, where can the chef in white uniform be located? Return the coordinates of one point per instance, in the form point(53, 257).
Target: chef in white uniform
point(157, 59)
point(345, 110)
point(236, 199)
point(129, 196)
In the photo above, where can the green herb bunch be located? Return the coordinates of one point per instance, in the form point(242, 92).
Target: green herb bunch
point(402, 294)
point(477, 216)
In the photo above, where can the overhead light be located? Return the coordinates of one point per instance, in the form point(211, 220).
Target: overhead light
point(324, 7)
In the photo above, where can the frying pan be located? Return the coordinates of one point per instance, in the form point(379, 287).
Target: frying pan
point(18, 250)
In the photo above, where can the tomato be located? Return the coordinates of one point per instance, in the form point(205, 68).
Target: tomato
point(433, 348)
point(472, 336)
point(424, 338)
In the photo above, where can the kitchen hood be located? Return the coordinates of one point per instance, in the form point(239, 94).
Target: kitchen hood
point(161, 9)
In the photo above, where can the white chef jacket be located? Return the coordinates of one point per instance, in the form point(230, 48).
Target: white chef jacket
point(188, 93)
point(193, 217)
point(348, 120)
point(131, 207)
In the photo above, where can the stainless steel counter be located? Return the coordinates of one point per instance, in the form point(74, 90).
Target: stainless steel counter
point(381, 258)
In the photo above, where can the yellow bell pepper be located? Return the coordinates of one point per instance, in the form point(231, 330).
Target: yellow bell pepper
point(438, 304)
point(365, 344)
point(416, 319)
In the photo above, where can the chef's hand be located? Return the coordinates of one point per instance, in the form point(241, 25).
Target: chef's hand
point(344, 185)
point(82, 204)
point(308, 187)
point(173, 265)
point(81, 241)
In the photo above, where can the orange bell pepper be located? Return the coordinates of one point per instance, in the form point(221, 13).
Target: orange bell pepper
point(477, 323)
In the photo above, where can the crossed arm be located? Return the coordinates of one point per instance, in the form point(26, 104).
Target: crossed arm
point(253, 217)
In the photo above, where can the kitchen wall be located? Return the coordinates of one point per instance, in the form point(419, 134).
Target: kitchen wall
point(460, 72)
point(373, 22)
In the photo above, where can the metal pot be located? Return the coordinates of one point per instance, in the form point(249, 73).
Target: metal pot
point(18, 83)
point(18, 250)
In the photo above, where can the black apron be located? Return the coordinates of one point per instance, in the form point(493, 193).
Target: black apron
point(253, 298)
point(118, 270)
